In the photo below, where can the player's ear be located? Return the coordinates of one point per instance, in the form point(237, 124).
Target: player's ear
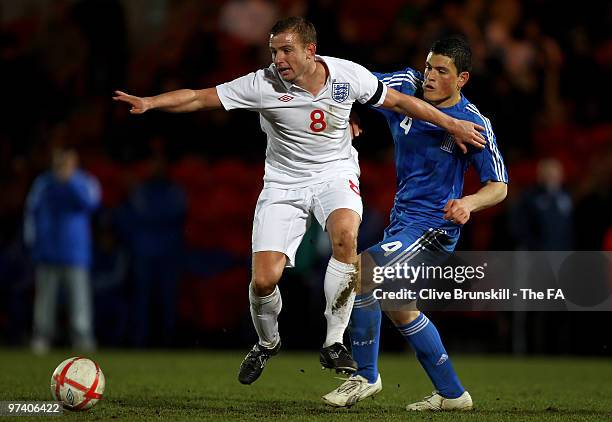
point(462, 79)
point(311, 49)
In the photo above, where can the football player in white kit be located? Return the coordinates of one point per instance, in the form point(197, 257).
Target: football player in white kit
point(304, 101)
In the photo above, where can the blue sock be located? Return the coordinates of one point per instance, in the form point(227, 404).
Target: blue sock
point(364, 330)
point(425, 340)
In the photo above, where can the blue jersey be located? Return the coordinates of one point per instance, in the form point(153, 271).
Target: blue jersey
point(430, 167)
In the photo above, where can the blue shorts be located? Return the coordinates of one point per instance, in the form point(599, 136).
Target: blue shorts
point(403, 250)
point(402, 242)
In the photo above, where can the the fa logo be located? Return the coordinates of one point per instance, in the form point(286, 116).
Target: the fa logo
point(340, 91)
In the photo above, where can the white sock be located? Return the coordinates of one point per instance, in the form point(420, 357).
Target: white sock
point(339, 289)
point(264, 312)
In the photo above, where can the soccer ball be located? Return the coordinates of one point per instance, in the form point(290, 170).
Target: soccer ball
point(78, 383)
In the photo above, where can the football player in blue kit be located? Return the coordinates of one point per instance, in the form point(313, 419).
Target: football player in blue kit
point(427, 215)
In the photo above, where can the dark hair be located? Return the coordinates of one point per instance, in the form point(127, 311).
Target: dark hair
point(456, 48)
point(298, 25)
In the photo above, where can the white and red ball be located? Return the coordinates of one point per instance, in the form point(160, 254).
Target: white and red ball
point(78, 383)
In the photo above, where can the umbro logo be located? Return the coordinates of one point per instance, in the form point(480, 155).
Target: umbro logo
point(286, 98)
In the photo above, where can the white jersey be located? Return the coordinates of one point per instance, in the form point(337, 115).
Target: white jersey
point(309, 139)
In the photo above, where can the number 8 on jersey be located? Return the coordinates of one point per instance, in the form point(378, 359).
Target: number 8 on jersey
point(317, 121)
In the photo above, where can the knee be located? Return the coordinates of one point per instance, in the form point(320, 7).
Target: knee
point(344, 241)
point(264, 282)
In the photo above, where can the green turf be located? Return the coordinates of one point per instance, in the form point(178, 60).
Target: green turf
point(203, 385)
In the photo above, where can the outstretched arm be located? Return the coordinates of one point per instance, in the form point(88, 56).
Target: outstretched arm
point(180, 101)
point(464, 132)
point(459, 210)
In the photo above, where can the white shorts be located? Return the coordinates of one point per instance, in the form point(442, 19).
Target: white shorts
point(282, 216)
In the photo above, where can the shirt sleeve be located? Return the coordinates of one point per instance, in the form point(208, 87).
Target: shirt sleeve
point(84, 191)
point(243, 92)
point(371, 91)
point(31, 207)
point(405, 81)
point(488, 162)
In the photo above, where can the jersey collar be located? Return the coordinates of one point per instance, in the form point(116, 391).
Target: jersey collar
point(458, 105)
point(290, 85)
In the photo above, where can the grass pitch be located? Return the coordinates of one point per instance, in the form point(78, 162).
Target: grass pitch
point(202, 385)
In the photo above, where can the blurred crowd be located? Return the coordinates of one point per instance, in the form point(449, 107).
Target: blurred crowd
point(171, 238)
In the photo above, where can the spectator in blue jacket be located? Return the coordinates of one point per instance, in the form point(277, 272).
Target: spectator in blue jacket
point(153, 220)
point(543, 219)
point(57, 230)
